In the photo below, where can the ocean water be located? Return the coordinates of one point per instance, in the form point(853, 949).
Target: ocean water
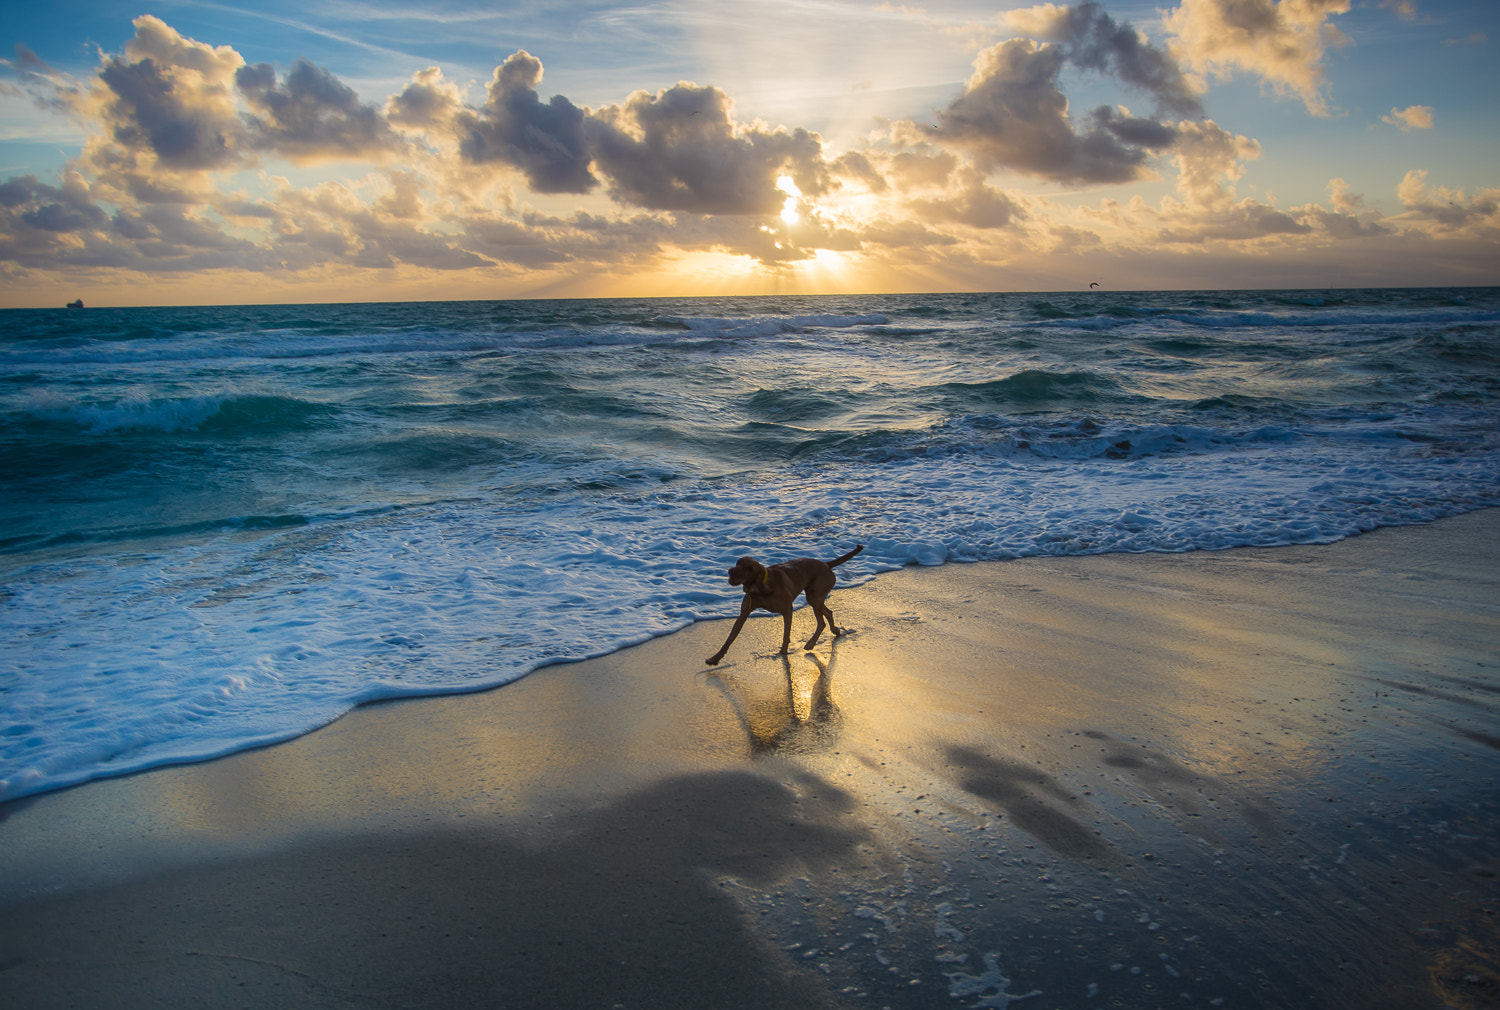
point(224, 527)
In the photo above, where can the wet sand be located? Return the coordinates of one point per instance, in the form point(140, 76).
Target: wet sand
point(1250, 778)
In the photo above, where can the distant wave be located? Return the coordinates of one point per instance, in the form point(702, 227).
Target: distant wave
point(225, 413)
point(1233, 320)
point(767, 326)
point(1036, 386)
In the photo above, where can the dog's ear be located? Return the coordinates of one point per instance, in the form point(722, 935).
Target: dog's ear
point(745, 570)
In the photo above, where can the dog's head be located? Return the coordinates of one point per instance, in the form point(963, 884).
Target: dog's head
point(746, 572)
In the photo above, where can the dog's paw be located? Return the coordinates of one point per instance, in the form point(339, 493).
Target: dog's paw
point(714, 660)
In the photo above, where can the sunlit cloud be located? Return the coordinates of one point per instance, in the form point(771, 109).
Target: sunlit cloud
point(1283, 42)
point(1413, 117)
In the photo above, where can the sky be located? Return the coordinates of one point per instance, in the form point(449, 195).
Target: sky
point(367, 150)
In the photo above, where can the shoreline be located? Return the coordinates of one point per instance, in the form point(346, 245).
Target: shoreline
point(280, 738)
point(997, 776)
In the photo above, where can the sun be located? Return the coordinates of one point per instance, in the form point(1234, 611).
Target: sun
point(793, 194)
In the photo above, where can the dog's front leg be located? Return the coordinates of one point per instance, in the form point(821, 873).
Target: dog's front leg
point(734, 632)
point(786, 629)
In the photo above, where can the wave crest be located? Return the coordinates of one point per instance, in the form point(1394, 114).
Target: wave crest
point(218, 413)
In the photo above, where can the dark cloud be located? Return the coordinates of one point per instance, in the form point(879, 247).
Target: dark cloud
point(856, 166)
point(36, 205)
point(904, 234)
point(46, 87)
point(51, 227)
point(331, 225)
point(27, 67)
point(1134, 131)
point(1342, 226)
point(311, 114)
point(511, 241)
point(975, 205)
point(542, 240)
point(1445, 207)
point(16, 191)
point(148, 111)
point(61, 217)
point(544, 140)
point(678, 150)
point(179, 229)
point(1093, 40)
point(28, 62)
point(1246, 220)
point(129, 225)
point(1012, 114)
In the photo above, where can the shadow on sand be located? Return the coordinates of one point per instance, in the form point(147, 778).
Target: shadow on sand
point(623, 905)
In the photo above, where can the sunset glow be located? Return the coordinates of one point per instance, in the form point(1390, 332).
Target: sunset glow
point(309, 154)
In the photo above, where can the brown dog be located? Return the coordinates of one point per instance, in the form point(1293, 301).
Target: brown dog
point(777, 588)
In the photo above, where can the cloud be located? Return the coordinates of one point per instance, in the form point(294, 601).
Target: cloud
point(973, 205)
point(857, 167)
point(681, 150)
point(1208, 158)
point(1012, 114)
point(1092, 40)
point(46, 87)
point(1448, 209)
point(171, 99)
point(546, 141)
point(918, 169)
point(1413, 117)
point(1205, 211)
point(904, 234)
point(427, 103)
point(27, 65)
point(1350, 217)
point(311, 115)
point(1281, 41)
point(64, 227)
point(39, 207)
point(1343, 197)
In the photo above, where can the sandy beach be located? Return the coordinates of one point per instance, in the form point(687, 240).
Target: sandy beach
point(1246, 778)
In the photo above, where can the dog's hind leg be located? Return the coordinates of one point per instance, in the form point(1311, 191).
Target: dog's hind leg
point(820, 609)
point(817, 608)
point(837, 631)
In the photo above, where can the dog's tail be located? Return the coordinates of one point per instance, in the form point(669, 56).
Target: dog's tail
point(838, 561)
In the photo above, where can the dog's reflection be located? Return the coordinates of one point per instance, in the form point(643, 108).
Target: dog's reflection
point(799, 716)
